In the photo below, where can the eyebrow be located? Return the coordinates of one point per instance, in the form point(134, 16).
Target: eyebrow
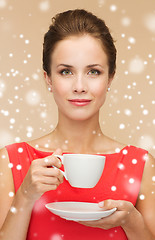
point(65, 65)
point(89, 66)
point(94, 65)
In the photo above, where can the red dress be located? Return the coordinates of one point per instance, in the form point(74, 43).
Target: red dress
point(120, 180)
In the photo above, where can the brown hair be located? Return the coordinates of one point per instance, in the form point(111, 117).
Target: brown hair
point(78, 22)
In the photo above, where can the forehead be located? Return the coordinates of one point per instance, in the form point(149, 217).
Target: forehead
point(83, 48)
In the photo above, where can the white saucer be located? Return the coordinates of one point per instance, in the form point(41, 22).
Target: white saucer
point(78, 211)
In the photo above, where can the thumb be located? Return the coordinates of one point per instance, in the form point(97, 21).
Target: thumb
point(107, 204)
point(110, 203)
point(101, 204)
point(58, 151)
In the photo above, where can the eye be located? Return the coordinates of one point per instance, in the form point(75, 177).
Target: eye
point(94, 72)
point(66, 72)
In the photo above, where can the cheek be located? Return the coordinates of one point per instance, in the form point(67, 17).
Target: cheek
point(99, 90)
point(59, 91)
point(99, 93)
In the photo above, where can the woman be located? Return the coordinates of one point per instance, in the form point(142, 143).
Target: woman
point(79, 65)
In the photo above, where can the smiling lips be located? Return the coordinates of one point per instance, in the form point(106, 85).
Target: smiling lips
point(80, 102)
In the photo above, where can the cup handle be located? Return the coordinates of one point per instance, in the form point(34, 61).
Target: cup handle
point(61, 157)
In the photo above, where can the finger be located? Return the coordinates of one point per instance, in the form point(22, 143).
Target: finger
point(114, 220)
point(49, 172)
point(109, 204)
point(58, 151)
point(46, 187)
point(51, 161)
point(54, 172)
point(98, 222)
point(55, 161)
point(51, 180)
point(121, 205)
point(95, 224)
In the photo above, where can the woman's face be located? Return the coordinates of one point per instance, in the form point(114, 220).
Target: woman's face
point(79, 77)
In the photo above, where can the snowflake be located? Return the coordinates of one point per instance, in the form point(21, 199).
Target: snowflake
point(29, 134)
point(43, 114)
point(2, 88)
point(146, 142)
point(113, 8)
point(101, 2)
point(20, 150)
point(113, 188)
point(10, 165)
point(121, 166)
point(153, 178)
point(2, 4)
point(122, 126)
point(126, 21)
point(136, 65)
point(131, 180)
point(56, 237)
point(27, 41)
point(128, 112)
point(11, 194)
point(12, 120)
point(19, 167)
point(44, 6)
point(33, 97)
point(142, 197)
point(132, 40)
point(17, 139)
point(149, 22)
point(13, 209)
point(125, 152)
point(134, 161)
point(10, 55)
point(117, 150)
point(145, 112)
point(29, 129)
point(35, 76)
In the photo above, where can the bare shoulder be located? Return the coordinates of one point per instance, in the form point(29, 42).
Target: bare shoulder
point(6, 185)
point(110, 145)
point(43, 143)
point(5, 169)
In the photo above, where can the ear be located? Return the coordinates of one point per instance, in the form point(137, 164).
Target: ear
point(110, 80)
point(48, 81)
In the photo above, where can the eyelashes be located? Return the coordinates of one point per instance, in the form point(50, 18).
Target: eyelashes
point(92, 72)
point(65, 72)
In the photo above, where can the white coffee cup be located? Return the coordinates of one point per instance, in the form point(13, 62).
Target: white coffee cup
point(82, 170)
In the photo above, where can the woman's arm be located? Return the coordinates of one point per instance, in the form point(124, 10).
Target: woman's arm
point(16, 211)
point(146, 199)
point(17, 221)
point(138, 222)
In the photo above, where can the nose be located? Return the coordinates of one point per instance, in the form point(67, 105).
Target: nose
point(79, 85)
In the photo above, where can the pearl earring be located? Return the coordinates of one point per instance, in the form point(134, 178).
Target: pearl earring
point(49, 89)
point(108, 89)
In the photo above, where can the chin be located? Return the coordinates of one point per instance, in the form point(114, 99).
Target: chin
point(80, 117)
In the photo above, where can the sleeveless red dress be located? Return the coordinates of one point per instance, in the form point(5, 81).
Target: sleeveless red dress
point(120, 180)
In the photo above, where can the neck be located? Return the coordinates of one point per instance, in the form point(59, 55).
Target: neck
point(78, 136)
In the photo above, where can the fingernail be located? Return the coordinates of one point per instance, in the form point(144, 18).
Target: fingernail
point(60, 163)
point(101, 204)
point(46, 160)
point(58, 150)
